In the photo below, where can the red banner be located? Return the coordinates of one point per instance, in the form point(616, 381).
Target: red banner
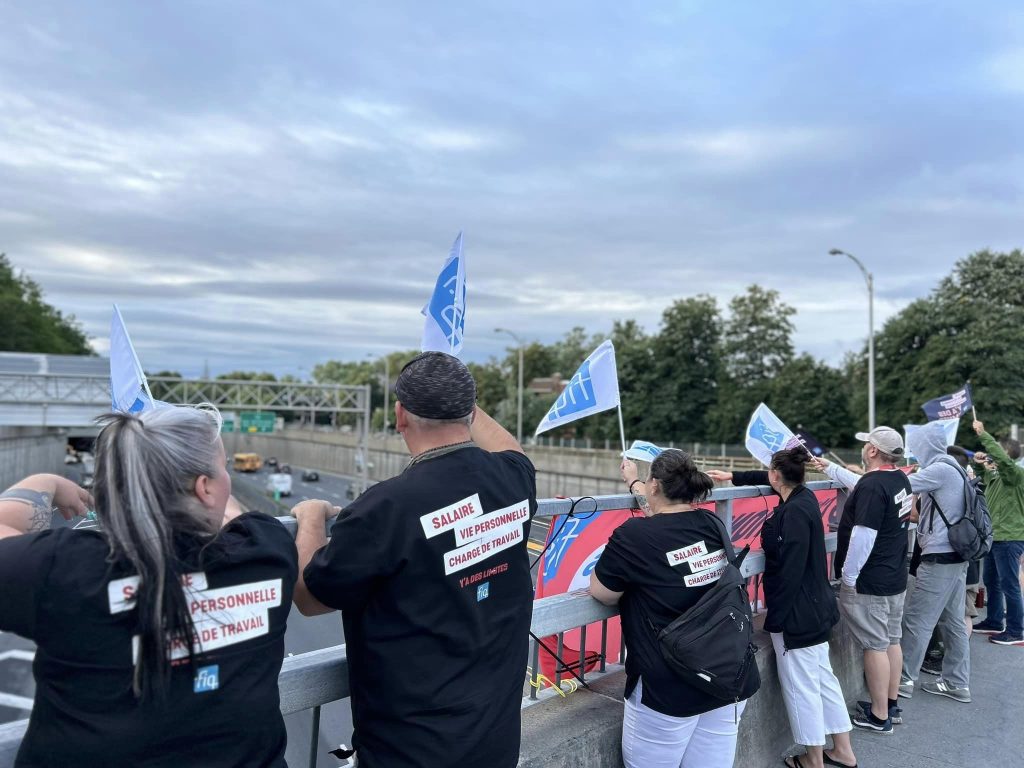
point(575, 544)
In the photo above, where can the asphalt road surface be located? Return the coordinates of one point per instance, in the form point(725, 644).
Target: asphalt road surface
point(304, 633)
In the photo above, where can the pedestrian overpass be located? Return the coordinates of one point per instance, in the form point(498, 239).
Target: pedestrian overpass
point(70, 391)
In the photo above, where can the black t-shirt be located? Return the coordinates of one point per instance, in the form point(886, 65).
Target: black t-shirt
point(431, 573)
point(662, 565)
point(881, 500)
point(57, 588)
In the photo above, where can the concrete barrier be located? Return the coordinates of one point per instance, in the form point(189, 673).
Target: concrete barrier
point(25, 455)
point(560, 471)
point(584, 730)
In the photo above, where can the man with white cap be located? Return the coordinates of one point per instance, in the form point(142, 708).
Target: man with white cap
point(431, 574)
point(871, 560)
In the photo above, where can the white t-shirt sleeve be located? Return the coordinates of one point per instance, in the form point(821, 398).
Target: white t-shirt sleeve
point(842, 475)
point(862, 541)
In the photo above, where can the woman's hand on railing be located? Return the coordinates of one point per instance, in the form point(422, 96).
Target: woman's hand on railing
point(719, 476)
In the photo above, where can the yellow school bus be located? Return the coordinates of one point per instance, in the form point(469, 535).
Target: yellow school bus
point(247, 462)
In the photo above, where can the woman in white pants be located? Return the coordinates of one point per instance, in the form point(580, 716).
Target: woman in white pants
point(656, 567)
point(802, 610)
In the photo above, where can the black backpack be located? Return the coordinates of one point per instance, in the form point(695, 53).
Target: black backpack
point(971, 535)
point(709, 646)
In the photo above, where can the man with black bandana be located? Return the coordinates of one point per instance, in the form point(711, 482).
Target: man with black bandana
point(431, 574)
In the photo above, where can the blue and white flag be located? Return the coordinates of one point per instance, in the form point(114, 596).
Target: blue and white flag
point(446, 311)
point(949, 426)
point(951, 406)
point(643, 451)
point(592, 389)
point(766, 434)
point(129, 391)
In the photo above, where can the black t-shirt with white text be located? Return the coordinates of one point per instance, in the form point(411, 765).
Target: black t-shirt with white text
point(881, 500)
point(663, 565)
point(431, 573)
point(57, 589)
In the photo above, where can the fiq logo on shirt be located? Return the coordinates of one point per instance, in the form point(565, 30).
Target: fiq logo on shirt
point(207, 679)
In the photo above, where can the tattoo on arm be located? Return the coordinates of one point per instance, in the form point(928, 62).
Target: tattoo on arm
point(40, 507)
point(41, 515)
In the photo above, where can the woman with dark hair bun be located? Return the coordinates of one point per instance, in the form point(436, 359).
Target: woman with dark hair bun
point(656, 567)
point(802, 610)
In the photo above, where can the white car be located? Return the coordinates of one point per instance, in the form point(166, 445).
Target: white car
point(279, 483)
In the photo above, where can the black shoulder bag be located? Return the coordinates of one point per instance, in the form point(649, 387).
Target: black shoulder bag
point(709, 646)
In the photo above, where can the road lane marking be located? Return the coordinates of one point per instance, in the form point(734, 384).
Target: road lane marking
point(15, 702)
point(18, 654)
point(533, 546)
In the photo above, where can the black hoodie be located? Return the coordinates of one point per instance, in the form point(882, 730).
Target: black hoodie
point(800, 602)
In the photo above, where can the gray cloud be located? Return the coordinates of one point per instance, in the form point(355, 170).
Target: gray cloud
point(268, 187)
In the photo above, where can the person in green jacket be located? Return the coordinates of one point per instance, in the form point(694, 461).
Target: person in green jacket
point(1004, 492)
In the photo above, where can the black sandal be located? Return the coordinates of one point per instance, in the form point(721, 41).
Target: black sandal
point(831, 761)
point(796, 761)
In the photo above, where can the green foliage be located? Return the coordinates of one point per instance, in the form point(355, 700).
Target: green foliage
point(809, 394)
point(686, 360)
point(29, 324)
point(756, 347)
point(246, 376)
point(969, 328)
point(363, 372)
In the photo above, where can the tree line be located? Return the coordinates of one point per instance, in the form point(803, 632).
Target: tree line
point(700, 373)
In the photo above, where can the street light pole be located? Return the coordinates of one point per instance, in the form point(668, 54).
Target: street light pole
point(870, 280)
point(519, 410)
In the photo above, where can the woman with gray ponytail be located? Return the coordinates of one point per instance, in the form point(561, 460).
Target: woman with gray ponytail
point(160, 634)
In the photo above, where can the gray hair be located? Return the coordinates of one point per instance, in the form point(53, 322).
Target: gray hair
point(146, 470)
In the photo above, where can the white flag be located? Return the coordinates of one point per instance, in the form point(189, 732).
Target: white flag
point(950, 426)
point(446, 311)
point(592, 389)
point(766, 434)
point(129, 392)
point(643, 451)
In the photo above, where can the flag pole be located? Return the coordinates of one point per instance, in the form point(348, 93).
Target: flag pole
point(974, 411)
point(622, 429)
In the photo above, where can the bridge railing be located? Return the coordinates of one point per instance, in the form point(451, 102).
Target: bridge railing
point(311, 680)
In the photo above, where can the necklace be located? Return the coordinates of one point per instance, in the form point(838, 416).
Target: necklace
point(441, 450)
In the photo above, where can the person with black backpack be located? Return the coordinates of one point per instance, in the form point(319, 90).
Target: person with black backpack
point(801, 611)
point(659, 568)
point(940, 587)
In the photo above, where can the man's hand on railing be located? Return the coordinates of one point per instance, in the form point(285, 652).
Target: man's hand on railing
point(315, 508)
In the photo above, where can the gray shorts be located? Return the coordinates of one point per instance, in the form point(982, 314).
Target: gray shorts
point(874, 620)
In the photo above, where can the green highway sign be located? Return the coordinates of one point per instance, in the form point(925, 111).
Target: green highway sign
point(258, 421)
point(228, 425)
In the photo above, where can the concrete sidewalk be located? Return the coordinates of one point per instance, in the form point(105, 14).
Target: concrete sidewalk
point(938, 731)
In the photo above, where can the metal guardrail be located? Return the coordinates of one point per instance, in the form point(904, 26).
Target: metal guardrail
point(311, 680)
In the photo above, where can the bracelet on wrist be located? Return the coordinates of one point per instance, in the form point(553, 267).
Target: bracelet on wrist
point(638, 480)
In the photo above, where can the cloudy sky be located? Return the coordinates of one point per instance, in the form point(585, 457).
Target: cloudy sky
point(268, 185)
